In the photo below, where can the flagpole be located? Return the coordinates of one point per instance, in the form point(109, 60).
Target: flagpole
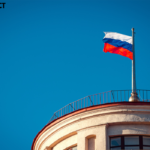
point(134, 95)
point(133, 65)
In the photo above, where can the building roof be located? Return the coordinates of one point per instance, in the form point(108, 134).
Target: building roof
point(57, 120)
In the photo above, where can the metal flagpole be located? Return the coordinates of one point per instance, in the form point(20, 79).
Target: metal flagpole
point(134, 95)
point(133, 64)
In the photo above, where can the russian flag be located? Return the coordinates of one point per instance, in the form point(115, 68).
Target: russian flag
point(118, 43)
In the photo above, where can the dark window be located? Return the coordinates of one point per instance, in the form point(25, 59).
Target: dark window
point(130, 143)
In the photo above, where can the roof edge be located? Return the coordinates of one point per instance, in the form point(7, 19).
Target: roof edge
point(79, 111)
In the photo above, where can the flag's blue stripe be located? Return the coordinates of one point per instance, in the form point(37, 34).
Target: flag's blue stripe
point(118, 43)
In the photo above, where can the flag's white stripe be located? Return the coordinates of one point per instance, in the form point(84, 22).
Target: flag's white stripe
point(118, 36)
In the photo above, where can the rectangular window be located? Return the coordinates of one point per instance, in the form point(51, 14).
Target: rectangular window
point(116, 141)
point(131, 140)
point(146, 140)
point(91, 143)
point(132, 148)
point(130, 143)
point(146, 148)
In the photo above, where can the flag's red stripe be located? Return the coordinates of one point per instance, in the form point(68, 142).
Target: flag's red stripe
point(118, 50)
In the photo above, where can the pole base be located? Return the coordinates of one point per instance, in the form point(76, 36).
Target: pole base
point(134, 97)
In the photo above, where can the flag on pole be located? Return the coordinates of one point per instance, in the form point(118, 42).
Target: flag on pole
point(118, 43)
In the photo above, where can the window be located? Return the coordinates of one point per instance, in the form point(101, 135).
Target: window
point(73, 148)
point(91, 143)
point(130, 143)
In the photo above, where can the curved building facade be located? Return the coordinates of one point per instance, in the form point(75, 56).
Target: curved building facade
point(109, 126)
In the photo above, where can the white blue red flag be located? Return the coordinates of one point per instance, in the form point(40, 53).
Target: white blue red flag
point(118, 43)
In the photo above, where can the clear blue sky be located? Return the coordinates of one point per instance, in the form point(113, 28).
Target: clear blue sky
point(51, 54)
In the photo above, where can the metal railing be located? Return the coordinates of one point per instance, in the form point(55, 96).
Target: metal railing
point(101, 98)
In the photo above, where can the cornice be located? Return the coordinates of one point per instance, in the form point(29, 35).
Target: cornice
point(138, 105)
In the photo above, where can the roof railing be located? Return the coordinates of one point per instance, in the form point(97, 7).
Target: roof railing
point(99, 99)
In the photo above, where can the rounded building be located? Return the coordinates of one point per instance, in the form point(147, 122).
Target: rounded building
point(104, 121)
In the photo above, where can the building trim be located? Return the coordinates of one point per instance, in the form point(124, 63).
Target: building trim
point(80, 111)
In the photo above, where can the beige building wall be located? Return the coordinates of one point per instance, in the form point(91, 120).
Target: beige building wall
point(66, 143)
point(97, 131)
point(99, 123)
